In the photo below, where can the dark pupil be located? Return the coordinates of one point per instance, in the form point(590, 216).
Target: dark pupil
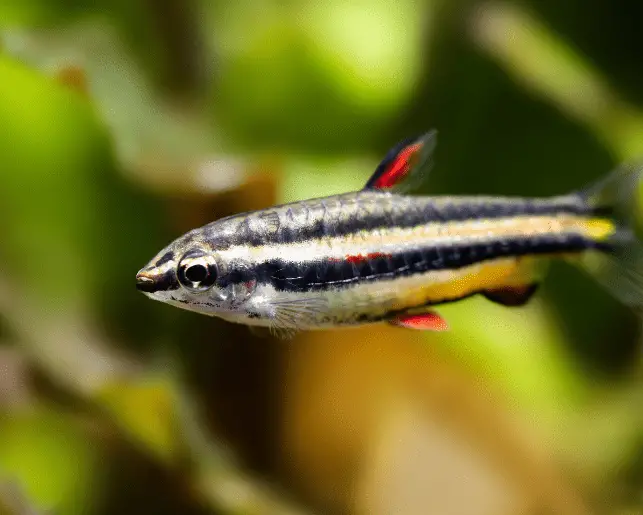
point(196, 273)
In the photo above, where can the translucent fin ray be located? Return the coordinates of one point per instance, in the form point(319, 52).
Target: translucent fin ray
point(620, 268)
point(292, 316)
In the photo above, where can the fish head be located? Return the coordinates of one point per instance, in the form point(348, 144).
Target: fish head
point(190, 273)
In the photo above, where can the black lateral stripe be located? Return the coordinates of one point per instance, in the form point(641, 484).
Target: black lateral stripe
point(313, 276)
point(365, 211)
point(602, 211)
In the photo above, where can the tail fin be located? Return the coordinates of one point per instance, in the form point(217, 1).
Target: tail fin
point(620, 269)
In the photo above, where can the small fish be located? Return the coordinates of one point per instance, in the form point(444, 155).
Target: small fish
point(383, 255)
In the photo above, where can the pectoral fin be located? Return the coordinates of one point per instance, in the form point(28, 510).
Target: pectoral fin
point(429, 321)
point(512, 296)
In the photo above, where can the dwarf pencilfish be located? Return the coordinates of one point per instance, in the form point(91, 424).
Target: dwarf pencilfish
point(382, 254)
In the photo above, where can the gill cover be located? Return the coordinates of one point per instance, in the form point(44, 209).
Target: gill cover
point(405, 165)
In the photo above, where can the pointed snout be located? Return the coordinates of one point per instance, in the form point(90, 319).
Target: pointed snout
point(151, 280)
point(145, 282)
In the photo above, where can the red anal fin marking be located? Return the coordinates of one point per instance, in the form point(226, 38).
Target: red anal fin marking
point(430, 321)
point(409, 158)
point(512, 296)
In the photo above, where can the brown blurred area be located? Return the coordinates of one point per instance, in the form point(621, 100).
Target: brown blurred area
point(397, 430)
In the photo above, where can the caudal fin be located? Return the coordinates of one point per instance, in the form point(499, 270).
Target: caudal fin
point(620, 268)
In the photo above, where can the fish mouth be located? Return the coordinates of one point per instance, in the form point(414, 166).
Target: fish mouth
point(148, 282)
point(145, 283)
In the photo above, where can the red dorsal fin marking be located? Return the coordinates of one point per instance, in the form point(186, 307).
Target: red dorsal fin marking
point(512, 296)
point(398, 169)
point(430, 321)
point(409, 158)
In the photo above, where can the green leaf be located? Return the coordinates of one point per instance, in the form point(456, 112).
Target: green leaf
point(50, 459)
point(146, 411)
point(52, 147)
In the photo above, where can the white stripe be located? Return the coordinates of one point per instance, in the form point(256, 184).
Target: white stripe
point(393, 240)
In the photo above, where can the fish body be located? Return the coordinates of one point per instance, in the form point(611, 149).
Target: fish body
point(377, 254)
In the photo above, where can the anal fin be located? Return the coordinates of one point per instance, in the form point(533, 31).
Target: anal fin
point(429, 321)
point(513, 296)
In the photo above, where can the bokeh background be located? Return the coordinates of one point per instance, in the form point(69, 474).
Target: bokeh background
point(125, 123)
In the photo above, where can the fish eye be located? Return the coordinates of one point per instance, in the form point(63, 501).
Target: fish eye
point(197, 271)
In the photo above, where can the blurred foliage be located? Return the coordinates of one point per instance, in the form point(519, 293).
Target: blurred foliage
point(125, 124)
point(33, 441)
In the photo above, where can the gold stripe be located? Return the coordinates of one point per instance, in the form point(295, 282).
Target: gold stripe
point(436, 286)
point(393, 239)
point(485, 228)
point(488, 275)
point(599, 229)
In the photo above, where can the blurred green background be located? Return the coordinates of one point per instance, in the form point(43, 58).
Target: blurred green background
point(123, 124)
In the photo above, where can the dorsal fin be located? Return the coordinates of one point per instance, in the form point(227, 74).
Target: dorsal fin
point(405, 164)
